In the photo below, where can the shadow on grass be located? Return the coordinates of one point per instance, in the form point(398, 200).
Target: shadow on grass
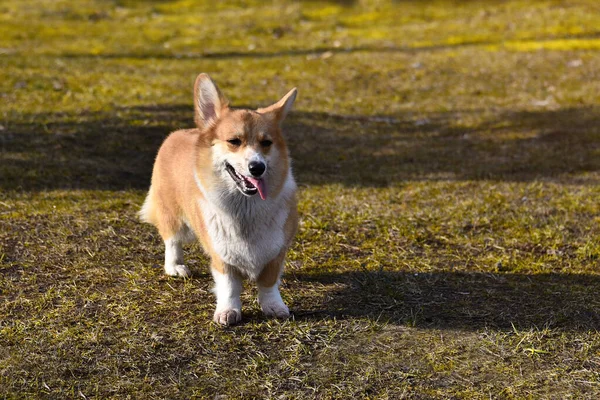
point(458, 300)
point(115, 150)
point(509, 146)
point(102, 150)
point(313, 51)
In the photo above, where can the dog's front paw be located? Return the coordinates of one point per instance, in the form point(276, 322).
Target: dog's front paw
point(227, 317)
point(275, 310)
point(178, 270)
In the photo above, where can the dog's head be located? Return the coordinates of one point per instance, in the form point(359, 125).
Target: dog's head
point(248, 149)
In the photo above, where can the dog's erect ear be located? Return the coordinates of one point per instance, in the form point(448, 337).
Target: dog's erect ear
point(283, 106)
point(209, 102)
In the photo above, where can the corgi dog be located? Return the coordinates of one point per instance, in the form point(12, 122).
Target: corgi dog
point(228, 183)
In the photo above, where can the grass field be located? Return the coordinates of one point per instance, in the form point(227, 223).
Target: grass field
point(448, 156)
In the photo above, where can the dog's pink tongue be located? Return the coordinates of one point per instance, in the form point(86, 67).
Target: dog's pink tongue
point(260, 185)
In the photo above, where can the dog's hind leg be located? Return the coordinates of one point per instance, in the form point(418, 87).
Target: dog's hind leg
point(174, 231)
point(174, 265)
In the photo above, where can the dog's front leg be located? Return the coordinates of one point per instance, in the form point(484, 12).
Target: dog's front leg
point(228, 287)
point(269, 297)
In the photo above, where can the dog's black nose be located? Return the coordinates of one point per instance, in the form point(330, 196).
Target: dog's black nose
point(257, 168)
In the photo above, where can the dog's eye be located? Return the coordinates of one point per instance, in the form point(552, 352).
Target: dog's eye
point(265, 143)
point(236, 142)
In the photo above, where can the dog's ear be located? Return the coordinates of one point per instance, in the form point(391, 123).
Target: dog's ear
point(282, 107)
point(209, 102)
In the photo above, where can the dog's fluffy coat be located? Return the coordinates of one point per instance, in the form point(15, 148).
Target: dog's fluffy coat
point(203, 187)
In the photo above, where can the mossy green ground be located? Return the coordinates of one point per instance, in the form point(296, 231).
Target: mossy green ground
point(448, 154)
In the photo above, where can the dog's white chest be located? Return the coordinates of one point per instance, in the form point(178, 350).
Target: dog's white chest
point(248, 238)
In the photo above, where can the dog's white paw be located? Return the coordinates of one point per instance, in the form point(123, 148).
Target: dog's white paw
point(178, 270)
point(228, 316)
point(275, 310)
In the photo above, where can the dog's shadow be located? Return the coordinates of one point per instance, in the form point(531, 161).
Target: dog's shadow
point(449, 300)
point(438, 300)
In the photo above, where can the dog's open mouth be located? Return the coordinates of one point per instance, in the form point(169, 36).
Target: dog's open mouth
point(246, 184)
